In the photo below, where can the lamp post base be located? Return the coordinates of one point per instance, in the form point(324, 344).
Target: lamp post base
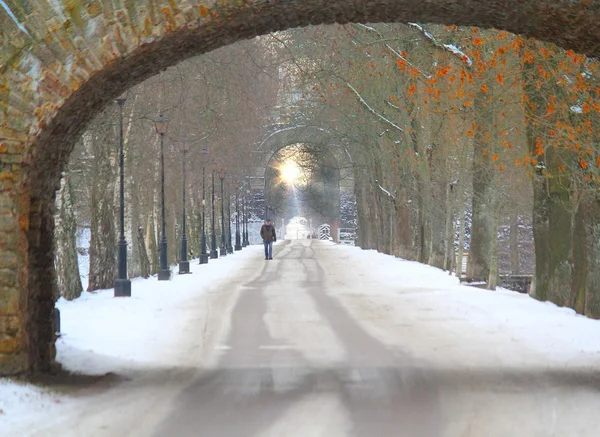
point(184, 267)
point(203, 258)
point(164, 275)
point(230, 250)
point(56, 321)
point(238, 247)
point(122, 288)
point(223, 251)
point(214, 254)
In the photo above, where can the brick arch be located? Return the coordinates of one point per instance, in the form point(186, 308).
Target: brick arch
point(320, 140)
point(325, 140)
point(61, 62)
point(280, 137)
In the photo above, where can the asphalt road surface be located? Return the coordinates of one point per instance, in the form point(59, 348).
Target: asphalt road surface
point(302, 346)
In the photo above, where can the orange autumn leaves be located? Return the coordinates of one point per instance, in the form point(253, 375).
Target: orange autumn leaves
point(406, 68)
point(566, 116)
point(447, 84)
point(539, 149)
point(574, 105)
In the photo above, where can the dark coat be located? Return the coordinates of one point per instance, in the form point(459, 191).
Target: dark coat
point(268, 233)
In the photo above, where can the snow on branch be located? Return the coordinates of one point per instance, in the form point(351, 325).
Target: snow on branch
point(368, 27)
point(390, 195)
point(395, 52)
point(448, 47)
point(372, 111)
point(576, 109)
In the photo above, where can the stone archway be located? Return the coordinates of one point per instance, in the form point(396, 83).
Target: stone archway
point(280, 137)
point(319, 141)
point(62, 61)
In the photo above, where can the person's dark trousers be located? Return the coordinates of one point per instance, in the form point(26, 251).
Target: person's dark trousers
point(268, 249)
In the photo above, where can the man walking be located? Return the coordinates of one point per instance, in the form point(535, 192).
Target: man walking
point(267, 233)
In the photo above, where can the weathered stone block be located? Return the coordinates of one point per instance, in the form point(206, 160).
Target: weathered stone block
point(9, 301)
point(12, 159)
point(7, 204)
point(8, 241)
point(9, 259)
point(6, 185)
point(9, 344)
point(13, 364)
point(9, 325)
point(7, 174)
point(8, 277)
point(16, 149)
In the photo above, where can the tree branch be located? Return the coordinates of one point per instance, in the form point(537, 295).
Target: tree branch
point(372, 111)
point(447, 47)
point(390, 195)
point(395, 52)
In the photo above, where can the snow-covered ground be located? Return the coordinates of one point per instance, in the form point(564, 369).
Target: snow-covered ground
point(462, 320)
point(296, 228)
point(101, 334)
point(415, 309)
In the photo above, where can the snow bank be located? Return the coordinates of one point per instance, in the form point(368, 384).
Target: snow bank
point(102, 334)
point(105, 334)
point(21, 401)
point(491, 317)
point(416, 308)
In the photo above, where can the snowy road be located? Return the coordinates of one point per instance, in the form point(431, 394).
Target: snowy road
point(333, 341)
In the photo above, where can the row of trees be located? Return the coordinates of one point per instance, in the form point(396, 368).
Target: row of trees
point(457, 129)
point(215, 104)
point(453, 137)
point(431, 128)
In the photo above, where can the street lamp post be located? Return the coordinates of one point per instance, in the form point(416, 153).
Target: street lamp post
point(184, 264)
point(213, 247)
point(122, 283)
point(238, 241)
point(244, 221)
point(203, 254)
point(164, 272)
point(229, 245)
point(223, 248)
point(246, 218)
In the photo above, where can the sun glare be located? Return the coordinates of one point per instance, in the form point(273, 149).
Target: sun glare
point(289, 172)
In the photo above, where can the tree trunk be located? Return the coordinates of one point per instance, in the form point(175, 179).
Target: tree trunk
point(461, 231)
point(552, 231)
point(514, 244)
point(438, 210)
point(422, 239)
point(145, 270)
point(103, 242)
point(153, 245)
point(479, 254)
point(103, 249)
point(423, 186)
point(589, 269)
point(403, 225)
point(449, 238)
point(132, 202)
point(66, 261)
point(493, 276)
point(553, 214)
point(437, 253)
point(133, 264)
point(363, 233)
